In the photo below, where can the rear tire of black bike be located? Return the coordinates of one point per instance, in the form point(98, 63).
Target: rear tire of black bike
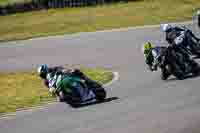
point(165, 73)
point(177, 72)
point(179, 75)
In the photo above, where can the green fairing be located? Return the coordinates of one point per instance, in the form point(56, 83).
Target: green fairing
point(66, 82)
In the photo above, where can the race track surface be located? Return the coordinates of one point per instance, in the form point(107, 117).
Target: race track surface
point(145, 103)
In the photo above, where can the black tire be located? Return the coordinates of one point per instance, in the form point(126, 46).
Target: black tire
point(164, 76)
point(195, 68)
point(176, 71)
point(165, 73)
point(100, 94)
point(179, 75)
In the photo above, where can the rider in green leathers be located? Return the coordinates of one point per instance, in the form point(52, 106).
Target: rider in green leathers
point(60, 80)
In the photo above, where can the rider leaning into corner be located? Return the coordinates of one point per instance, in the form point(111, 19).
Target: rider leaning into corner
point(58, 76)
point(179, 36)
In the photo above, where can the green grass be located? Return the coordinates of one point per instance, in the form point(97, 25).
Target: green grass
point(71, 20)
point(24, 89)
point(6, 2)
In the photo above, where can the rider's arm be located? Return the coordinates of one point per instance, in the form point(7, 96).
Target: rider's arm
point(177, 28)
point(178, 40)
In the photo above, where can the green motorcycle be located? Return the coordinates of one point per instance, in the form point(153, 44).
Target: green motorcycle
point(76, 91)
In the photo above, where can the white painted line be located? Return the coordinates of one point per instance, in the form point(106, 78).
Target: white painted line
point(115, 78)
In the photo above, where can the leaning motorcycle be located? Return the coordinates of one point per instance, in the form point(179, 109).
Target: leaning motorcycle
point(174, 63)
point(91, 89)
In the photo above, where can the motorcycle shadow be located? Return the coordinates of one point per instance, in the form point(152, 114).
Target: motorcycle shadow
point(95, 102)
point(190, 76)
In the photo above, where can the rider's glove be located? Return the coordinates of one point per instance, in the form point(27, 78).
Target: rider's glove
point(178, 40)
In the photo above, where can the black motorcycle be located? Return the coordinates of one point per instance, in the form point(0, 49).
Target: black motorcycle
point(175, 63)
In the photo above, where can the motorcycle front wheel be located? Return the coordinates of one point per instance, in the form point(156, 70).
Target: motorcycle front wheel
point(100, 94)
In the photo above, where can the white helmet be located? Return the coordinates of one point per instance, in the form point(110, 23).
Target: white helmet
point(165, 27)
point(39, 69)
point(43, 70)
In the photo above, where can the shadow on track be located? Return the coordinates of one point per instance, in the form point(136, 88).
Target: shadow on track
point(96, 102)
point(186, 77)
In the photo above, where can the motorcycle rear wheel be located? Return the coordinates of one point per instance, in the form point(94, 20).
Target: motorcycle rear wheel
point(176, 71)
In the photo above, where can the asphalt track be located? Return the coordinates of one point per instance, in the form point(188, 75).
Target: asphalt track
point(145, 103)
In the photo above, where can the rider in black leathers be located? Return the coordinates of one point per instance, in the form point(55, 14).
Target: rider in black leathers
point(164, 57)
point(181, 37)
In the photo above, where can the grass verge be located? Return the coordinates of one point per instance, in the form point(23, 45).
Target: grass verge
point(71, 20)
point(25, 89)
point(6, 2)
